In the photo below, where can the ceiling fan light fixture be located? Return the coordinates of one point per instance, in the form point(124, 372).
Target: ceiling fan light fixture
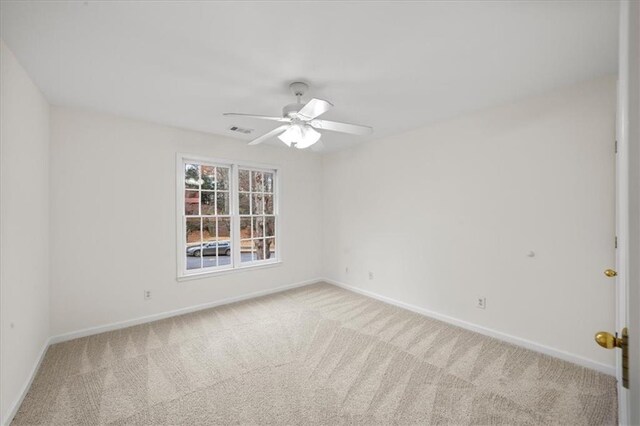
point(301, 136)
point(291, 135)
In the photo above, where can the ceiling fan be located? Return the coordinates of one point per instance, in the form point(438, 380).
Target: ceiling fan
point(301, 121)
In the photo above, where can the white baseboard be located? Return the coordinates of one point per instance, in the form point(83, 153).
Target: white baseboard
point(162, 315)
point(25, 388)
point(528, 344)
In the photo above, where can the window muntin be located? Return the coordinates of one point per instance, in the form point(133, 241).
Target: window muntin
point(229, 216)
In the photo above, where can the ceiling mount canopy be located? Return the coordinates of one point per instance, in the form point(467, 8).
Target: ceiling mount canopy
point(302, 124)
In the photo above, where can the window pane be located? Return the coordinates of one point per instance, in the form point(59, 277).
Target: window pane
point(270, 248)
point(191, 176)
point(269, 226)
point(258, 227)
point(256, 182)
point(208, 177)
point(268, 204)
point(268, 182)
point(259, 247)
point(194, 260)
point(193, 230)
point(247, 252)
point(223, 203)
point(257, 204)
point(209, 254)
point(245, 227)
point(209, 258)
point(191, 205)
point(244, 203)
point(243, 180)
point(222, 178)
point(208, 203)
point(224, 260)
point(224, 249)
point(208, 229)
point(224, 229)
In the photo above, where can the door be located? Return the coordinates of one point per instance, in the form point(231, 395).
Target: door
point(623, 164)
point(622, 247)
point(619, 341)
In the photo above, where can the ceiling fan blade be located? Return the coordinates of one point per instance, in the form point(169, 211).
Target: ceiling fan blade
point(270, 134)
point(261, 117)
point(354, 129)
point(314, 108)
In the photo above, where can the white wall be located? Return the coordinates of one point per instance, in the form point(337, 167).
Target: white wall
point(114, 219)
point(447, 213)
point(24, 225)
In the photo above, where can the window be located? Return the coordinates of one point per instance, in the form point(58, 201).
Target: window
point(257, 216)
point(227, 216)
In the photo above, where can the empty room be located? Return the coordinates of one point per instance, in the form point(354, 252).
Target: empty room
point(320, 212)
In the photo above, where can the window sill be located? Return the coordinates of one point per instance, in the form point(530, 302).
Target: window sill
point(208, 274)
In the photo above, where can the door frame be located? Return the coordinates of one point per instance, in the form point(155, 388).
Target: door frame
point(622, 201)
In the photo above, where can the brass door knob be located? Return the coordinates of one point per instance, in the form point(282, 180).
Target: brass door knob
point(610, 273)
point(607, 340)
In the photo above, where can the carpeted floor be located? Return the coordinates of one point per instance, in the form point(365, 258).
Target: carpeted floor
point(317, 354)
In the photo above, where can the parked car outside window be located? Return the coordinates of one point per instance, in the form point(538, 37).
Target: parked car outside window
point(213, 248)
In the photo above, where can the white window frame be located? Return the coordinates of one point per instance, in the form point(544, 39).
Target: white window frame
point(235, 265)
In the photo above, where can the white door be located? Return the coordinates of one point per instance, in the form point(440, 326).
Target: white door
point(622, 212)
point(618, 340)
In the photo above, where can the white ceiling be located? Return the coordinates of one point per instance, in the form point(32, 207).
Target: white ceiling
point(392, 65)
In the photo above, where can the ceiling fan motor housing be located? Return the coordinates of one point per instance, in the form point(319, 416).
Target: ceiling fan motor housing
point(298, 88)
point(291, 109)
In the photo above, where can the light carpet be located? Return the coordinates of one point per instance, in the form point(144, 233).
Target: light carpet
point(314, 355)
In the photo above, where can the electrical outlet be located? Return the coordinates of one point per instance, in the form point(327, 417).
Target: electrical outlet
point(370, 275)
point(147, 294)
point(481, 303)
